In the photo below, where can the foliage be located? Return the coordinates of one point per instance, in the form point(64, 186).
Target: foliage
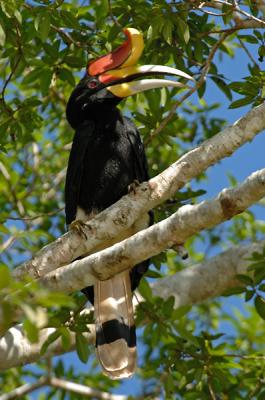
point(44, 47)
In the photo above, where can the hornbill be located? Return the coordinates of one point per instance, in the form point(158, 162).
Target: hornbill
point(106, 158)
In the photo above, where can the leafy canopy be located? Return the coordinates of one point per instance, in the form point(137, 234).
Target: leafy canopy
point(44, 47)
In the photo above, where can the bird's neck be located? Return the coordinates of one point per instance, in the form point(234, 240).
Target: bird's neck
point(104, 114)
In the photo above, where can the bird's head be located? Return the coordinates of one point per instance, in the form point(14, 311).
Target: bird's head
point(115, 76)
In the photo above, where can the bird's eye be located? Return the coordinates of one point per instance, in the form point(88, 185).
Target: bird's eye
point(92, 84)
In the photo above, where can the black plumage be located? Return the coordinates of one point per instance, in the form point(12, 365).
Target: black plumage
point(106, 157)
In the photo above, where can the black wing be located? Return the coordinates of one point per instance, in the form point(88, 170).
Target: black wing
point(141, 173)
point(75, 168)
point(140, 162)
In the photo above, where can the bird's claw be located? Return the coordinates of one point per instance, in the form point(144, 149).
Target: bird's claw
point(132, 187)
point(79, 226)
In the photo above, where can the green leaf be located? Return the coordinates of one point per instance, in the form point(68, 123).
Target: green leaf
point(2, 35)
point(245, 279)
point(261, 51)
point(168, 306)
point(32, 75)
point(82, 347)
point(42, 25)
point(149, 33)
point(77, 62)
point(226, 13)
point(180, 312)
point(262, 287)
point(183, 30)
point(153, 274)
point(249, 38)
point(222, 86)
point(260, 306)
point(31, 330)
point(69, 20)
point(185, 334)
point(145, 289)
point(257, 265)
point(8, 8)
point(65, 338)
point(51, 338)
point(201, 90)
point(59, 368)
point(49, 299)
point(18, 16)
point(5, 277)
point(234, 290)
point(66, 75)
point(249, 294)
point(167, 32)
point(45, 81)
point(241, 102)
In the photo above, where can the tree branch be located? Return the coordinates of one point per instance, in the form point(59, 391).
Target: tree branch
point(113, 221)
point(190, 286)
point(84, 390)
point(16, 350)
point(208, 279)
point(250, 22)
point(25, 389)
point(176, 229)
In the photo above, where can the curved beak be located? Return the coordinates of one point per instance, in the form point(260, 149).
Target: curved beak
point(122, 82)
point(118, 71)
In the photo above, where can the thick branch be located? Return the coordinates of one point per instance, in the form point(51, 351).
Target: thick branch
point(119, 217)
point(176, 229)
point(16, 350)
point(192, 285)
point(208, 279)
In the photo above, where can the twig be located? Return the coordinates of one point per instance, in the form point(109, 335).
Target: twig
point(2, 96)
point(220, 14)
point(25, 389)
point(8, 243)
point(209, 384)
point(116, 22)
point(235, 9)
point(244, 47)
point(84, 390)
point(252, 17)
point(244, 357)
point(48, 214)
point(67, 38)
point(256, 389)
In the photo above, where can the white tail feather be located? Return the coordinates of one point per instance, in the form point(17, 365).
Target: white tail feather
point(113, 301)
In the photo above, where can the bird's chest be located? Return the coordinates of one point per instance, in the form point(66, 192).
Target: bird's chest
point(108, 166)
point(110, 151)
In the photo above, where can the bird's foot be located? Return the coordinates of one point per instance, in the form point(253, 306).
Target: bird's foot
point(133, 186)
point(79, 226)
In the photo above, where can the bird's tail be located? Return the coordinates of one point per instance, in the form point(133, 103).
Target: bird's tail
point(115, 329)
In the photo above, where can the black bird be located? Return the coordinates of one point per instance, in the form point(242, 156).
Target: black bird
point(107, 156)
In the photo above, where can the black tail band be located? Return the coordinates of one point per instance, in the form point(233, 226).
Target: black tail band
point(113, 330)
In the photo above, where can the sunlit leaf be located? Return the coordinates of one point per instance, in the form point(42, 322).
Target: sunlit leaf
point(260, 306)
point(82, 347)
